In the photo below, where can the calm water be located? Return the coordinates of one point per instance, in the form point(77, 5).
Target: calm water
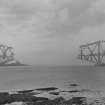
point(15, 78)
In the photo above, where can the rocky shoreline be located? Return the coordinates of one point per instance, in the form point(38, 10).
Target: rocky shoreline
point(52, 96)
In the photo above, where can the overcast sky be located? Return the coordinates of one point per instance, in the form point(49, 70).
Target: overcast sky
point(45, 32)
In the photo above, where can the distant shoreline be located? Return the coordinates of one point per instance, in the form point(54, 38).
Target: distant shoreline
point(13, 64)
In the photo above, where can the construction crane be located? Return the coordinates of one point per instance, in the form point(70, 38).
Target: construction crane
point(6, 54)
point(93, 52)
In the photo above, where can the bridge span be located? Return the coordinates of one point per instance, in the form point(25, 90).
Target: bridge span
point(93, 52)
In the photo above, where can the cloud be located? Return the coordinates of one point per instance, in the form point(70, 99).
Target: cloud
point(53, 17)
point(29, 18)
point(75, 17)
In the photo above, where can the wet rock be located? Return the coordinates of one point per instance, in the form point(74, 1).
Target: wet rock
point(54, 93)
point(47, 89)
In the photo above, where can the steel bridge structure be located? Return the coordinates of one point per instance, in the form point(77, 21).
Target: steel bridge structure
point(93, 52)
point(6, 54)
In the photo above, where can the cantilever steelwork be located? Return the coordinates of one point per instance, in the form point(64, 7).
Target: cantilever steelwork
point(6, 54)
point(93, 52)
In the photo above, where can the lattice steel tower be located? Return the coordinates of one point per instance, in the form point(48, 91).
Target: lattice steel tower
point(6, 54)
point(93, 52)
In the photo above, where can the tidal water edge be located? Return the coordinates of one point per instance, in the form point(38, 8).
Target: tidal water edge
point(50, 85)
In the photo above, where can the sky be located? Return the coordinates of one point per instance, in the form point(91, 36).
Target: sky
point(49, 32)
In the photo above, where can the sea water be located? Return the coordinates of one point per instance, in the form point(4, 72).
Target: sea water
point(31, 77)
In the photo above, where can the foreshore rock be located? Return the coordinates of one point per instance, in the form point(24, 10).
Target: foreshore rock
point(52, 96)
